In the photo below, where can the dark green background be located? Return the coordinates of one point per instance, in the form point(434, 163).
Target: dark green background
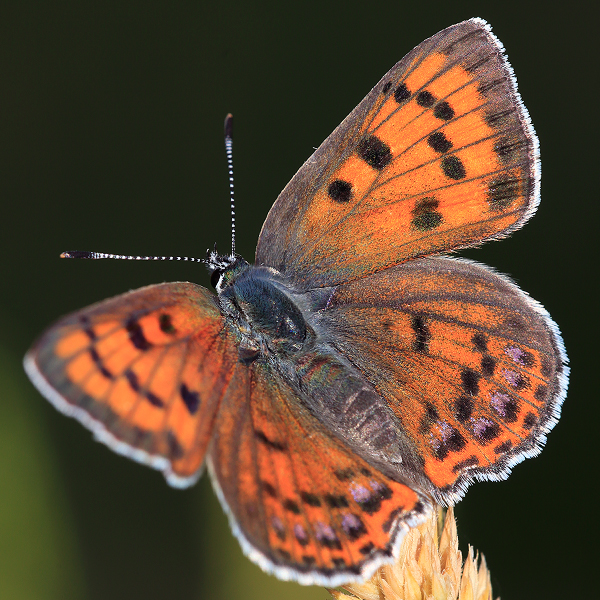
point(111, 120)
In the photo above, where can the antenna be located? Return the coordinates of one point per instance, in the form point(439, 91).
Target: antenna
point(98, 255)
point(229, 150)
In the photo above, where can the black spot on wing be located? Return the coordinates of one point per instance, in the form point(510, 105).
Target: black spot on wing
point(372, 503)
point(133, 380)
point(190, 398)
point(310, 499)
point(90, 333)
point(353, 527)
point(425, 99)
point(425, 214)
point(269, 489)
point(136, 335)
point(526, 359)
point(521, 382)
point(470, 381)
point(334, 501)
point(368, 548)
point(463, 408)
point(86, 326)
point(488, 365)
point(453, 167)
point(443, 111)
point(166, 324)
point(455, 442)
point(488, 433)
point(291, 506)
point(374, 152)
point(546, 366)
point(530, 420)
point(480, 342)
point(503, 448)
point(439, 142)
point(511, 410)
point(301, 536)
point(418, 508)
point(154, 400)
point(340, 191)
point(401, 93)
point(329, 541)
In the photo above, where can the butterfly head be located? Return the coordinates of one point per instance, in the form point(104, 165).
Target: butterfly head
point(223, 268)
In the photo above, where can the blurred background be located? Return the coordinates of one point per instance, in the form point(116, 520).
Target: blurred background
point(111, 139)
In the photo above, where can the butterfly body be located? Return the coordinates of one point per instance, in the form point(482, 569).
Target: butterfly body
point(280, 327)
point(356, 373)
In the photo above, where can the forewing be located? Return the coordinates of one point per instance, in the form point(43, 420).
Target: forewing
point(473, 368)
point(440, 155)
point(303, 505)
point(144, 371)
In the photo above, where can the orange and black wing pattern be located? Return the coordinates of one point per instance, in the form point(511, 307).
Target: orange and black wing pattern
point(302, 503)
point(144, 371)
point(440, 155)
point(473, 368)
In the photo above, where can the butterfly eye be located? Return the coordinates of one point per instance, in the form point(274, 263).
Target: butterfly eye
point(215, 277)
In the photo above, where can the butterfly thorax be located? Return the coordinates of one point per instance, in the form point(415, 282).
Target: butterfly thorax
point(265, 315)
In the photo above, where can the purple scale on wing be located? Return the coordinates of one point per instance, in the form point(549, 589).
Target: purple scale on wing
point(353, 527)
point(350, 522)
point(359, 492)
point(442, 431)
point(513, 378)
point(499, 402)
point(278, 526)
point(480, 426)
point(324, 531)
point(300, 534)
point(521, 357)
point(380, 489)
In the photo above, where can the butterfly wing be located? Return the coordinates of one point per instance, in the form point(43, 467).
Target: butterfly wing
point(440, 155)
point(144, 371)
point(303, 505)
point(473, 368)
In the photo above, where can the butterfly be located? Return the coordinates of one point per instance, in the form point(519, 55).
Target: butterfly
point(356, 374)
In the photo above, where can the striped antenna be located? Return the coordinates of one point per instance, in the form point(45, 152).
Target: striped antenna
point(229, 150)
point(98, 255)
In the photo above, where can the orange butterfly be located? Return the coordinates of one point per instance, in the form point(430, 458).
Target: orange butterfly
point(353, 376)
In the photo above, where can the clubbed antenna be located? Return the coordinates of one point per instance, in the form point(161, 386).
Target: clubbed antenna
point(229, 150)
point(98, 255)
